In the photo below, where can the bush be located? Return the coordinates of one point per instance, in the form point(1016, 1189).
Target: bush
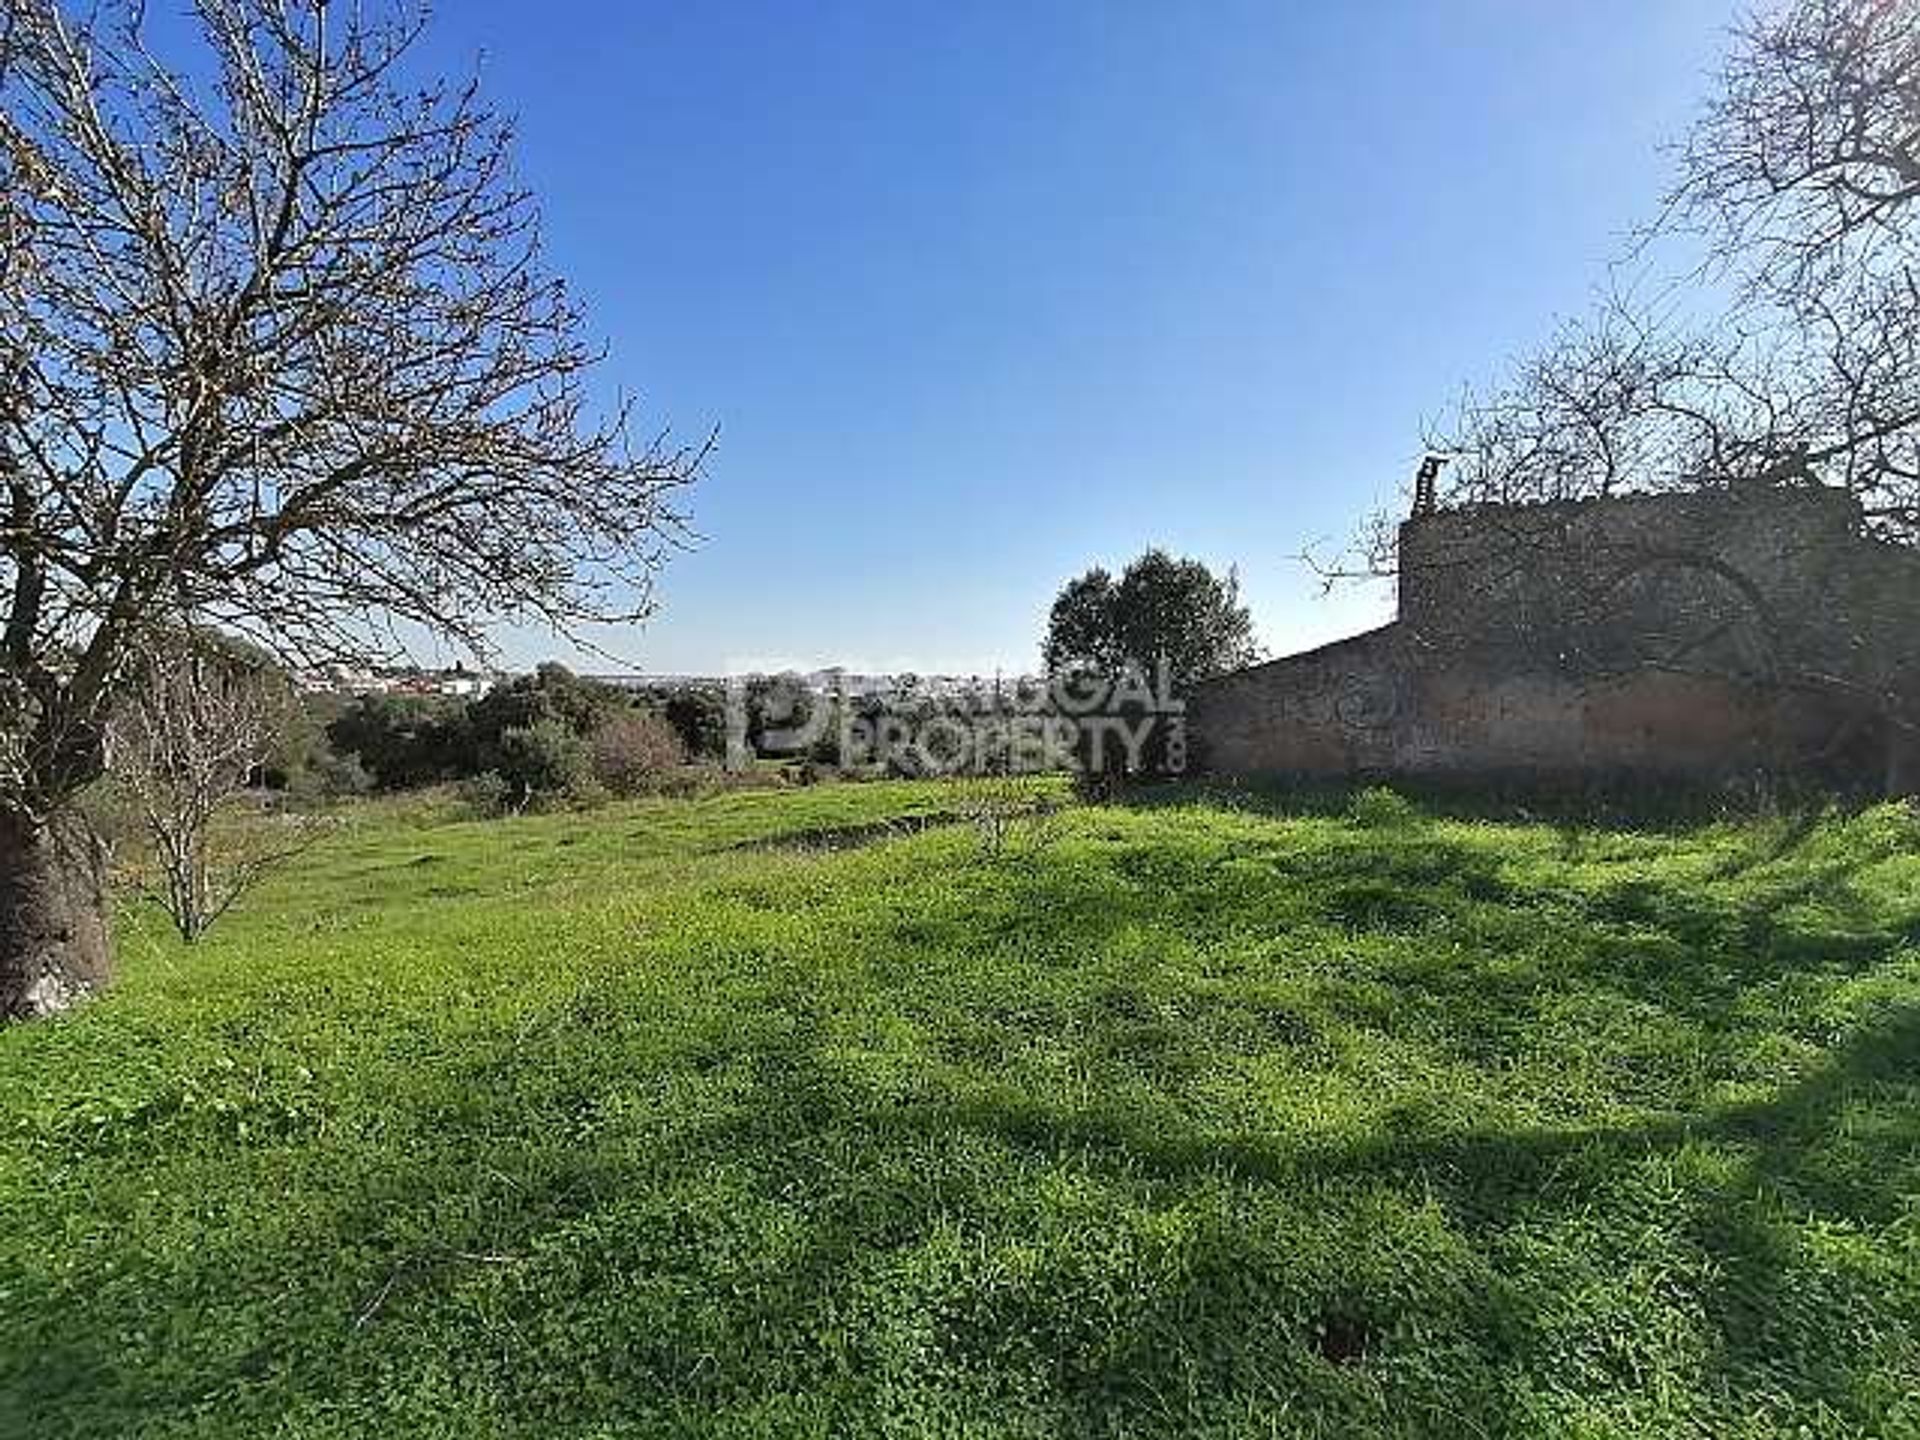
point(779, 712)
point(632, 752)
point(552, 735)
point(325, 775)
point(541, 762)
point(1008, 814)
point(403, 741)
point(552, 695)
point(1379, 808)
point(486, 794)
point(698, 713)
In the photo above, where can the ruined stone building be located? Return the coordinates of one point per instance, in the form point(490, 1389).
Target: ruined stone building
point(1701, 635)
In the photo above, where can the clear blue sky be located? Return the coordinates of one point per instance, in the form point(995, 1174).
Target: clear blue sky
point(982, 294)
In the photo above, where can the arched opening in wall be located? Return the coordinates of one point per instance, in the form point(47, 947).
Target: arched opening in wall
point(1686, 614)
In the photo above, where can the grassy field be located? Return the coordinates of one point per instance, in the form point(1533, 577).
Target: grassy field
point(1182, 1119)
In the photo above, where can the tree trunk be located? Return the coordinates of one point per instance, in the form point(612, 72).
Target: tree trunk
point(53, 917)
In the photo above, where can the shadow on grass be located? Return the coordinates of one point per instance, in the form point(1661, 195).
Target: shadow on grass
point(1601, 802)
point(815, 1239)
point(572, 1235)
point(1839, 1153)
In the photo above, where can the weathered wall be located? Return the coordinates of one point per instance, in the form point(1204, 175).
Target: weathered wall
point(1327, 712)
point(1652, 723)
point(1747, 584)
point(1657, 635)
point(1360, 708)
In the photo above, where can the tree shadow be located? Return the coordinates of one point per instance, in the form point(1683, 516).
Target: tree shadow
point(833, 1250)
point(1838, 1152)
point(1624, 802)
point(680, 1235)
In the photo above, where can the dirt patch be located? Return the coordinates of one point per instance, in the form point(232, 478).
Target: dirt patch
point(853, 837)
point(1343, 1339)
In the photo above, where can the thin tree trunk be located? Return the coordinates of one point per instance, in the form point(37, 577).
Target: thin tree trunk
point(54, 946)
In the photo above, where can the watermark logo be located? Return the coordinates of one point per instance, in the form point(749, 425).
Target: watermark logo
point(1130, 722)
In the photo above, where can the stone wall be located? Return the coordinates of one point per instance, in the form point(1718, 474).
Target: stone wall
point(1747, 584)
point(1367, 707)
point(1667, 636)
point(1332, 711)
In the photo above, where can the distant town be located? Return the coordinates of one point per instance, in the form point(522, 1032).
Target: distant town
point(394, 680)
point(463, 682)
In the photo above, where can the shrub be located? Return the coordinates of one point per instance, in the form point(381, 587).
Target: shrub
point(540, 762)
point(403, 741)
point(323, 776)
point(779, 715)
point(1380, 808)
point(634, 751)
point(486, 794)
point(1007, 813)
point(553, 695)
point(698, 713)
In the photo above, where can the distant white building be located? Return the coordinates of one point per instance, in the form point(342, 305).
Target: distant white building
point(457, 683)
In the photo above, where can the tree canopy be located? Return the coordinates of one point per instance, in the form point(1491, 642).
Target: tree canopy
point(1160, 610)
point(1769, 332)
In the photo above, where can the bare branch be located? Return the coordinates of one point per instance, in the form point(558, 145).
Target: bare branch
point(280, 353)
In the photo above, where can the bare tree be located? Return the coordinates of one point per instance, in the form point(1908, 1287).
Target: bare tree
point(279, 355)
point(185, 745)
point(1805, 165)
point(1798, 196)
point(1800, 189)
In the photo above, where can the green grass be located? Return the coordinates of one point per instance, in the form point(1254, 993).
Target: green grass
point(1198, 1120)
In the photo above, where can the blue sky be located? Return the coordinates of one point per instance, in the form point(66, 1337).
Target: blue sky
point(980, 295)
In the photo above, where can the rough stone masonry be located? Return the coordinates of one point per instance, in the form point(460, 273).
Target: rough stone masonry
point(1700, 636)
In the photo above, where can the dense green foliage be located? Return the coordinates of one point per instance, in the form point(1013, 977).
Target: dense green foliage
point(548, 735)
point(1160, 610)
point(697, 711)
point(683, 1119)
point(1169, 621)
point(403, 741)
